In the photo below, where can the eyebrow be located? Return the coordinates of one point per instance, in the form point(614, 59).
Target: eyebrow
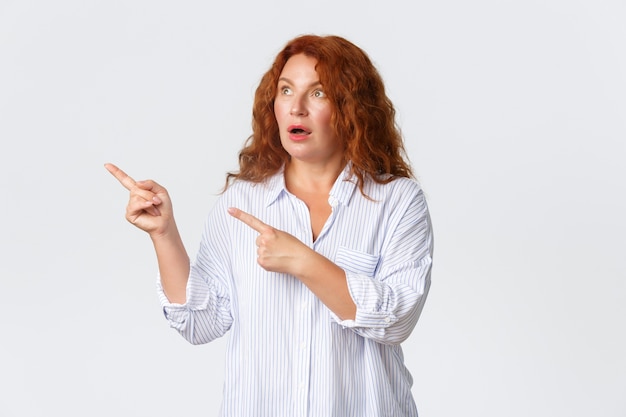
point(288, 81)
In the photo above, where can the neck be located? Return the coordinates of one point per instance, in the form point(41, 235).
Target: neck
point(314, 178)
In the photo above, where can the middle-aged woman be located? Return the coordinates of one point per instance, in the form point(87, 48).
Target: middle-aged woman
point(316, 258)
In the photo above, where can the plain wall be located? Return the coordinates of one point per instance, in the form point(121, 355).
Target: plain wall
point(514, 115)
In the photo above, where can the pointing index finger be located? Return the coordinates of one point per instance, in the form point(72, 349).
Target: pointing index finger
point(121, 176)
point(248, 219)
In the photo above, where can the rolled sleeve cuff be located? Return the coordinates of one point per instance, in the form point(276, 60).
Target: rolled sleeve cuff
point(369, 296)
point(364, 319)
point(176, 314)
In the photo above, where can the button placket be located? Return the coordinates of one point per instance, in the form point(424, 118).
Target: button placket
point(302, 353)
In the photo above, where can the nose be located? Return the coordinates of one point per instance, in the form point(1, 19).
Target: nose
point(298, 106)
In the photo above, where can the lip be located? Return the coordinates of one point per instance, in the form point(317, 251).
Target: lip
point(299, 136)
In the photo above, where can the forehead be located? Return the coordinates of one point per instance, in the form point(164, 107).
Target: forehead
point(300, 66)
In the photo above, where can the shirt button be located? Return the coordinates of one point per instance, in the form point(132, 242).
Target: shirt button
point(387, 319)
point(302, 345)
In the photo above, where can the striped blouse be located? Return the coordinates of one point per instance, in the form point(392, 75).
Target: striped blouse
point(287, 353)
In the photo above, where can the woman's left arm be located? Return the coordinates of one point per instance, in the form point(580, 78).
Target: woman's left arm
point(391, 297)
point(279, 251)
point(384, 307)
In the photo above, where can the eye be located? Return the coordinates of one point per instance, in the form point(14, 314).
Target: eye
point(319, 94)
point(286, 91)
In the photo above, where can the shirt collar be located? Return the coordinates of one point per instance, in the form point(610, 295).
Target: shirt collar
point(341, 192)
point(275, 187)
point(344, 186)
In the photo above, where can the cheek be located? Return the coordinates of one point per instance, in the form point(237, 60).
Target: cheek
point(276, 109)
point(325, 117)
point(321, 110)
point(279, 111)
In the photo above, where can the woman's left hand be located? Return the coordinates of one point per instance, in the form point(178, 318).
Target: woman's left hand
point(277, 251)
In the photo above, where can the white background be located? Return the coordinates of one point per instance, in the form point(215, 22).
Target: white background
point(514, 114)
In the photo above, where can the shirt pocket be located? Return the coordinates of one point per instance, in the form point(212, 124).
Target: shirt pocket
point(357, 262)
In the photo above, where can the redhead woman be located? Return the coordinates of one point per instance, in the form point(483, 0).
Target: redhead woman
point(316, 257)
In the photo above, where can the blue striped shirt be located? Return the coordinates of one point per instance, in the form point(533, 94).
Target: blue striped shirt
point(288, 354)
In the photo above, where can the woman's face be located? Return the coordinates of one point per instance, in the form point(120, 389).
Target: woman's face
point(303, 113)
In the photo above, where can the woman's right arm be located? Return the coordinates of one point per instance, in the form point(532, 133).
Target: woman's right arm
point(150, 209)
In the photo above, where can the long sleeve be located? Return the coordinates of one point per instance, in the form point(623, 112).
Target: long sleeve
point(207, 313)
point(390, 289)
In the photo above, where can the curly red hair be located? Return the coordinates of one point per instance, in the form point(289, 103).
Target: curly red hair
point(363, 117)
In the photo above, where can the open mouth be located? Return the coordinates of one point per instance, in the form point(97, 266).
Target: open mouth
point(298, 130)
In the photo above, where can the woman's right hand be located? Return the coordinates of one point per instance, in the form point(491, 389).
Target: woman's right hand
point(149, 205)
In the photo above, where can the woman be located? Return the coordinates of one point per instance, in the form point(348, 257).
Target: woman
point(317, 257)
